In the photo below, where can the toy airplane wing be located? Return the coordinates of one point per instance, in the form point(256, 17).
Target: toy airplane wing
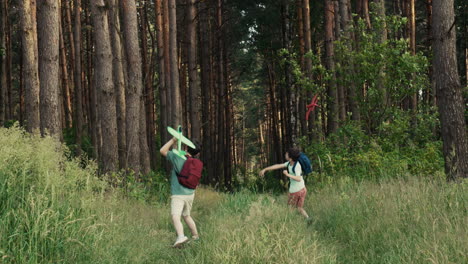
point(180, 137)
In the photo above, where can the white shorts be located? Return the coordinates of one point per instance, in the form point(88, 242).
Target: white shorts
point(181, 204)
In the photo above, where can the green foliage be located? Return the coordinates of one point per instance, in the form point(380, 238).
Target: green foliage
point(385, 67)
point(397, 150)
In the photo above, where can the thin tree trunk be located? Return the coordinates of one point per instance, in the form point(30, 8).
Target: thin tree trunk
point(65, 83)
point(92, 90)
point(174, 71)
point(449, 91)
point(290, 92)
point(78, 77)
point(195, 93)
point(103, 79)
point(119, 80)
point(167, 63)
point(163, 111)
point(48, 46)
point(30, 65)
point(380, 10)
point(332, 105)
point(69, 29)
point(301, 91)
point(8, 51)
point(147, 116)
point(412, 36)
point(345, 7)
point(340, 86)
point(3, 65)
point(206, 84)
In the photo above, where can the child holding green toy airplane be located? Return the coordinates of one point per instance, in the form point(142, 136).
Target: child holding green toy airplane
point(181, 196)
point(294, 171)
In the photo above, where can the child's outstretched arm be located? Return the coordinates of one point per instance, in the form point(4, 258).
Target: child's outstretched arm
point(167, 146)
point(273, 167)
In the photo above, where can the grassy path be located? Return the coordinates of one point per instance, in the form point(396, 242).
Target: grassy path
point(397, 222)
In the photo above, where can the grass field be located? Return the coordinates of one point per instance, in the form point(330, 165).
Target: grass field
point(52, 211)
point(411, 221)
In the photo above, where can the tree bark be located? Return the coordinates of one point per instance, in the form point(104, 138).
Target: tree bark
point(78, 77)
point(134, 84)
point(195, 93)
point(332, 106)
point(119, 80)
point(66, 96)
point(3, 74)
point(147, 110)
point(103, 80)
point(48, 29)
point(206, 84)
point(449, 91)
point(175, 98)
point(301, 91)
point(30, 66)
point(163, 111)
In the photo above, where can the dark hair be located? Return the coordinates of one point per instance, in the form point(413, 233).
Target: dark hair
point(294, 153)
point(196, 150)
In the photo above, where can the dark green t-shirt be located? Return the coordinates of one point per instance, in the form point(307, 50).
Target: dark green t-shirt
point(177, 164)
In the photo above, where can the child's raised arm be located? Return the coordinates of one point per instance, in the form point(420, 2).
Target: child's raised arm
point(273, 167)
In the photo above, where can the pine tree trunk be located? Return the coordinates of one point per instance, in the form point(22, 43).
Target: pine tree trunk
point(9, 75)
point(175, 98)
point(290, 92)
point(78, 77)
point(449, 91)
point(30, 65)
point(66, 97)
point(119, 80)
point(163, 113)
point(206, 84)
point(167, 63)
point(93, 110)
point(134, 84)
point(302, 93)
point(340, 86)
point(345, 7)
point(332, 106)
point(103, 79)
point(194, 86)
point(147, 116)
point(48, 29)
point(3, 74)
point(380, 10)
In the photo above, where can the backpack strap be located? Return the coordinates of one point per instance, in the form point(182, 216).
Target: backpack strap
point(294, 167)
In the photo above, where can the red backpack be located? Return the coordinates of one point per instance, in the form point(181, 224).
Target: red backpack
point(191, 172)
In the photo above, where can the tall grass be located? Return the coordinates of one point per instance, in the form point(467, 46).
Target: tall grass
point(42, 217)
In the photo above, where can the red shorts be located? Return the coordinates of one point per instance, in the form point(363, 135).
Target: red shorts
point(297, 199)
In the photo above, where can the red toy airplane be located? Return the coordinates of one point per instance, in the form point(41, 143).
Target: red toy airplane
point(311, 106)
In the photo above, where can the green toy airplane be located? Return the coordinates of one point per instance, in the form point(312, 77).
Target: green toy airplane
point(181, 139)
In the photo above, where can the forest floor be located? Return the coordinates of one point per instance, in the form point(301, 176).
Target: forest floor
point(399, 221)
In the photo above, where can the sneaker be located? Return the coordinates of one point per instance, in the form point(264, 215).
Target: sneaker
point(309, 220)
point(180, 241)
point(195, 238)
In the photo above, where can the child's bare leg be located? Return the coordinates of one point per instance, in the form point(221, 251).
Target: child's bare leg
point(191, 224)
point(303, 212)
point(178, 225)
